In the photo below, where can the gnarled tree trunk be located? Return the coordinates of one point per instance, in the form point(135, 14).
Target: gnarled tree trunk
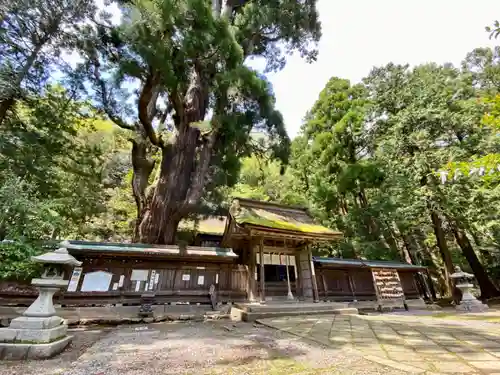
point(437, 225)
point(142, 167)
point(183, 171)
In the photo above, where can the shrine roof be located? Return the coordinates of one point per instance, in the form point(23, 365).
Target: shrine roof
point(278, 218)
point(360, 263)
point(110, 248)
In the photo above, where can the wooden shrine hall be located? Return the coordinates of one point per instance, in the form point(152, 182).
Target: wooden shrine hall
point(259, 230)
point(260, 252)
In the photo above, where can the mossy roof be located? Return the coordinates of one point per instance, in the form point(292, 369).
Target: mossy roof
point(278, 217)
point(215, 225)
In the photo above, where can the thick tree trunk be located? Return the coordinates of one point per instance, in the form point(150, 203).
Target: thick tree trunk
point(437, 225)
point(142, 167)
point(183, 169)
point(390, 239)
point(406, 250)
point(488, 289)
point(417, 239)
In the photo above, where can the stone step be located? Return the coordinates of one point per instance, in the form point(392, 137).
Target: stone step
point(291, 306)
point(252, 316)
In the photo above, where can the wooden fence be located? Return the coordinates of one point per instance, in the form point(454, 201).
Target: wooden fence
point(170, 281)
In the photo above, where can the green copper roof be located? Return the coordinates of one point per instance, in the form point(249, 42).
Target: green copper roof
point(136, 249)
point(366, 263)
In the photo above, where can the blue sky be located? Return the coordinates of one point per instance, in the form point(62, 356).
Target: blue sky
point(360, 34)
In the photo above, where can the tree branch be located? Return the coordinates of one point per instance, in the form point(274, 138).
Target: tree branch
point(107, 105)
point(147, 106)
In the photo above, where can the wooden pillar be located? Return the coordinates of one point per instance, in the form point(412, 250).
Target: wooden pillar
point(262, 273)
point(252, 268)
point(313, 276)
point(379, 301)
point(298, 277)
point(325, 287)
point(351, 286)
point(289, 290)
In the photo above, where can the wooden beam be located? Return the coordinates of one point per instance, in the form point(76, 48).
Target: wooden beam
point(262, 272)
point(313, 275)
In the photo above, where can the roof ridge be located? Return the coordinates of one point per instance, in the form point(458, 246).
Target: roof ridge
point(272, 204)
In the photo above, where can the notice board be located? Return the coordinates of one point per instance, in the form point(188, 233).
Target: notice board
point(388, 287)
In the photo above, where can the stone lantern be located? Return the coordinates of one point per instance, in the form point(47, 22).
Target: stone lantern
point(39, 332)
point(469, 303)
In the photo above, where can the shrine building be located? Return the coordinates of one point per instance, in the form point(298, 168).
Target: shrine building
point(260, 252)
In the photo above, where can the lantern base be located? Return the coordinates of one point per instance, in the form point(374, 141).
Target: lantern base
point(22, 351)
point(469, 303)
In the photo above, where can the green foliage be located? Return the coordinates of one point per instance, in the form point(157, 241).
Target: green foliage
point(188, 60)
point(370, 159)
point(15, 263)
point(261, 178)
point(33, 36)
point(494, 30)
point(62, 166)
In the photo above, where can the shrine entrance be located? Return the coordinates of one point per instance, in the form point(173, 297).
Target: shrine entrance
point(280, 276)
point(274, 242)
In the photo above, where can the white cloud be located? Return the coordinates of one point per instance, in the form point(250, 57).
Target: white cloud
point(360, 34)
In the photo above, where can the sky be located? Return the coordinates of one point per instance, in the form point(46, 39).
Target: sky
point(361, 34)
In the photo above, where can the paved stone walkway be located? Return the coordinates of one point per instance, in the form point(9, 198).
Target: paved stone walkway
point(413, 344)
point(197, 348)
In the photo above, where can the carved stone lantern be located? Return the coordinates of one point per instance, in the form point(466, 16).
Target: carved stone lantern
point(469, 303)
point(39, 332)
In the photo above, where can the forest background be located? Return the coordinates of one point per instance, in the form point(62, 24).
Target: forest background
point(162, 120)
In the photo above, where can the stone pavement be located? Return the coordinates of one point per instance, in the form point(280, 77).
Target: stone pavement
point(413, 344)
point(196, 348)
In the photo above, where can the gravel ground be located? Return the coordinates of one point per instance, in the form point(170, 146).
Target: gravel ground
point(83, 339)
point(196, 348)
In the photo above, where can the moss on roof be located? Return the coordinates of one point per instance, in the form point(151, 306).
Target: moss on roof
point(280, 219)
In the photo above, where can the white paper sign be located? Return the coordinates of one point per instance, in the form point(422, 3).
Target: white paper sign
point(152, 279)
point(75, 278)
point(96, 281)
point(115, 286)
point(122, 279)
point(140, 275)
point(201, 280)
point(137, 286)
point(186, 277)
point(200, 268)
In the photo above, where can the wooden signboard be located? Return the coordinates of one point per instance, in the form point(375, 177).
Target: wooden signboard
point(388, 288)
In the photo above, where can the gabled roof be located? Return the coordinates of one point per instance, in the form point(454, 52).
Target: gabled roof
point(271, 217)
point(360, 263)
